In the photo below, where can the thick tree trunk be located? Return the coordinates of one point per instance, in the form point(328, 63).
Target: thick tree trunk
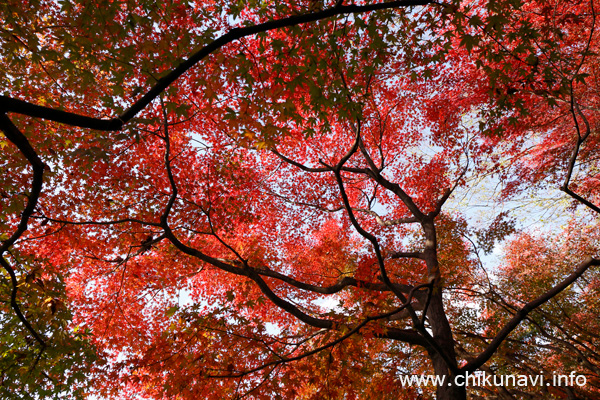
point(439, 324)
point(442, 335)
point(449, 390)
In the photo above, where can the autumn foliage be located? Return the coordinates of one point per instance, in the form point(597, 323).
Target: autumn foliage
point(298, 199)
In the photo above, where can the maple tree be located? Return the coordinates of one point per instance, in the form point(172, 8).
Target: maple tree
point(273, 199)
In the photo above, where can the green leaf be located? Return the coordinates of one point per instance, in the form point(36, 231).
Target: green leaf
point(171, 311)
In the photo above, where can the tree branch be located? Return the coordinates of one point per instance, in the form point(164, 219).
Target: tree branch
point(13, 134)
point(414, 337)
point(336, 287)
point(8, 104)
point(484, 356)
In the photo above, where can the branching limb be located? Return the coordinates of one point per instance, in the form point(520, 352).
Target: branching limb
point(407, 254)
point(244, 270)
point(335, 288)
point(354, 330)
point(93, 222)
point(384, 223)
point(431, 342)
point(338, 176)
point(297, 164)
point(581, 137)
point(449, 191)
point(524, 311)
point(8, 104)
point(586, 361)
point(13, 134)
point(305, 168)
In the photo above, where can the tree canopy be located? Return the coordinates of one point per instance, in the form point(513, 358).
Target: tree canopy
point(298, 199)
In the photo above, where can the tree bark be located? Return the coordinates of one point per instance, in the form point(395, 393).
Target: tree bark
point(443, 365)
